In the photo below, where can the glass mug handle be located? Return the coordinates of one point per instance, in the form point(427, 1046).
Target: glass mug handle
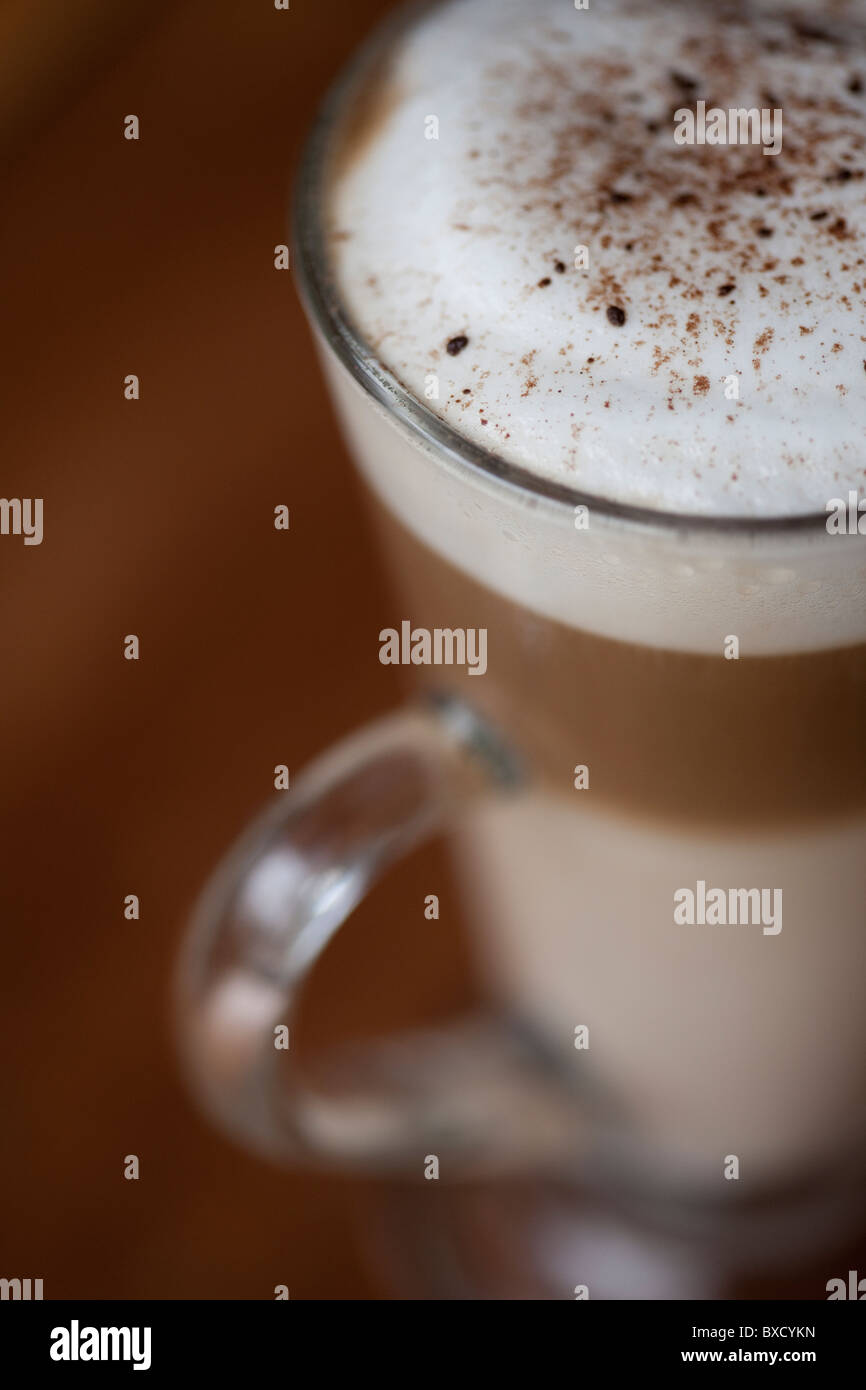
point(474, 1089)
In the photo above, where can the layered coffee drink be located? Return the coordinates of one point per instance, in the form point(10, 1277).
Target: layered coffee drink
point(604, 270)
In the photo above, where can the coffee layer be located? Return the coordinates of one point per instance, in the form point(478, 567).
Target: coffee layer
point(691, 738)
point(711, 268)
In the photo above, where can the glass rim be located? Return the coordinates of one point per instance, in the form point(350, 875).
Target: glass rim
point(321, 299)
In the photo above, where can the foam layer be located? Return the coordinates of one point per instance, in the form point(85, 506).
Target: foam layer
point(675, 589)
point(556, 129)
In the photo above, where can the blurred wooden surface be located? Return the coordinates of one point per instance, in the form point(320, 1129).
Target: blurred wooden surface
point(257, 647)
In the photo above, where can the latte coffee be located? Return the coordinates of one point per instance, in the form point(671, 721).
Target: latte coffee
point(613, 381)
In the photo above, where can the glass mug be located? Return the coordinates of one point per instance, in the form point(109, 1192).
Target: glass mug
point(658, 809)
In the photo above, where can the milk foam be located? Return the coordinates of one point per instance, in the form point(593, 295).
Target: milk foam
point(555, 129)
point(677, 589)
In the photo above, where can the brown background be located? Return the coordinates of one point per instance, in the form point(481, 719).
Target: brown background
point(257, 647)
